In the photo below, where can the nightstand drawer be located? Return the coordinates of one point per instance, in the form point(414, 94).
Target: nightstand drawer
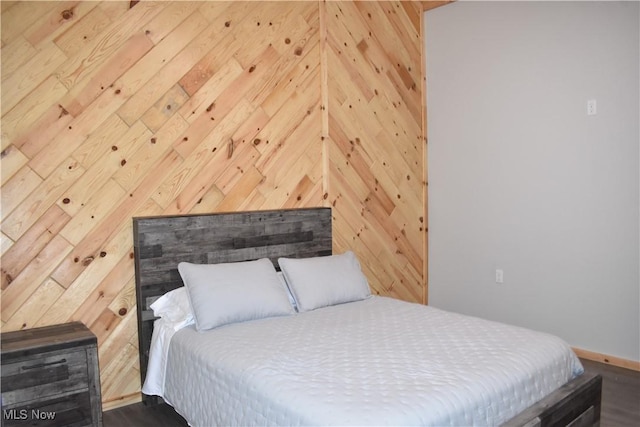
point(70, 411)
point(47, 374)
point(51, 377)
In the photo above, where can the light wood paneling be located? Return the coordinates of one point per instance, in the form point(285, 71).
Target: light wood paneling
point(111, 111)
point(376, 145)
point(432, 4)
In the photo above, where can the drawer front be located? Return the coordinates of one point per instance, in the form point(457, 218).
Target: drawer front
point(73, 410)
point(43, 375)
point(586, 419)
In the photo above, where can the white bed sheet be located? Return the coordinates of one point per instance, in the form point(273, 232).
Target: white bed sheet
point(163, 331)
point(374, 362)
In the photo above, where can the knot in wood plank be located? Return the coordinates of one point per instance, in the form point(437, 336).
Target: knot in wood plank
point(230, 149)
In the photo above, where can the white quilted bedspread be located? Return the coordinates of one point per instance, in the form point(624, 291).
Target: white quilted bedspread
point(375, 362)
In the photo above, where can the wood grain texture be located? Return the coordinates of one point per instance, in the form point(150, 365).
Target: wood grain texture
point(376, 148)
point(165, 108)
point(432, 4)
point(577, 403)
point(607, 359)
point(54, 368)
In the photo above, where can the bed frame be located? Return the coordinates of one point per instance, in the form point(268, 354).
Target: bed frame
point(161, 242)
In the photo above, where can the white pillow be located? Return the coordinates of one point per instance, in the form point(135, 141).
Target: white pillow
point(233, 292)
point(174, 308)
point(322, 281)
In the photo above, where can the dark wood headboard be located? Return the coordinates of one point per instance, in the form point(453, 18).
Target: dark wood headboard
point(160, 243)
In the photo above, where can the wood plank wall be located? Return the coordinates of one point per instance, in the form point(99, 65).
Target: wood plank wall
point(376, 147)
point(111, 111)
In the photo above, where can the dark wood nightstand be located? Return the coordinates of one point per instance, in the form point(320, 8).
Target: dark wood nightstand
point(50, 376)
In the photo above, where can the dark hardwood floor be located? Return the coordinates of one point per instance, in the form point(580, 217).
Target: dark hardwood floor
point(620, 394)
point(620, 403)
point(139, 415)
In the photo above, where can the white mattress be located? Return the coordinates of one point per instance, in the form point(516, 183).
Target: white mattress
point(374, 362)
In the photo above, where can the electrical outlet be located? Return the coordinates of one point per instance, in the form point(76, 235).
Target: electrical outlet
point(591, 107)
point(499, 275)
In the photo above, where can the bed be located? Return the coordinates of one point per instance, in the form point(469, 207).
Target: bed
point(366, 360)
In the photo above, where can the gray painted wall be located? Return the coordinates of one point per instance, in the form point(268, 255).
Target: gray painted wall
point(522, 179)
